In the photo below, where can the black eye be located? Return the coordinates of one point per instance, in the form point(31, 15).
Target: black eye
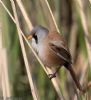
point(36, 38)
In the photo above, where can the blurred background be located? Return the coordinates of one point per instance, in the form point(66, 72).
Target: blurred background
point(73, 18)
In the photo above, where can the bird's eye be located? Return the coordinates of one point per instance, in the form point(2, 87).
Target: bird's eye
point(36, 38)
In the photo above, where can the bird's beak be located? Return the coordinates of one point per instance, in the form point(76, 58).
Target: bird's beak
point(29, 37)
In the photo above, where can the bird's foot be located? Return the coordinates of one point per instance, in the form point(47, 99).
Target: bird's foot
point(51, 76)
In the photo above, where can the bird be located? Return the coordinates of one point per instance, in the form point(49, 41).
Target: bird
point(52, 49)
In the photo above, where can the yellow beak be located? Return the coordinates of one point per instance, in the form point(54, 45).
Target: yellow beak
point(29, 37)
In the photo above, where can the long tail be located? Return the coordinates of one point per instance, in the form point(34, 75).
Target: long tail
point(73, 75)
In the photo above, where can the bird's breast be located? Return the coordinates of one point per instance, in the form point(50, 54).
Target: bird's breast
point(48, 57)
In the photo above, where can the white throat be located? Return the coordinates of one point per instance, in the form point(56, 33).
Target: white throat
point(37, 47)
point(34, 45)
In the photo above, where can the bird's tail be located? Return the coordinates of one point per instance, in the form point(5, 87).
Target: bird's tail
point(73, 75)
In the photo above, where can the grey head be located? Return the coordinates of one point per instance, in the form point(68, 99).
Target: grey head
point(39, 33)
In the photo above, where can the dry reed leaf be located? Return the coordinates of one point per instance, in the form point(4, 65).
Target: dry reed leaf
point(4, 76)
point(84, 21)
point(33, 90)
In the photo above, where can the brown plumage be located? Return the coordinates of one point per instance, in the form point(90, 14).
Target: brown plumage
point(53, 51)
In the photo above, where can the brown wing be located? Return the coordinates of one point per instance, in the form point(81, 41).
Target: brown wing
point(59, 46)
point(61, 52)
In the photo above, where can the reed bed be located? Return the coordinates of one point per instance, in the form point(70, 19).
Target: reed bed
point(24, 59)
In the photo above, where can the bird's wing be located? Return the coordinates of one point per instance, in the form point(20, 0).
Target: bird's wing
point(59, 49)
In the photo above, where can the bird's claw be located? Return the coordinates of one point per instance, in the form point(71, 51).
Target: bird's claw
point(51, 76)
